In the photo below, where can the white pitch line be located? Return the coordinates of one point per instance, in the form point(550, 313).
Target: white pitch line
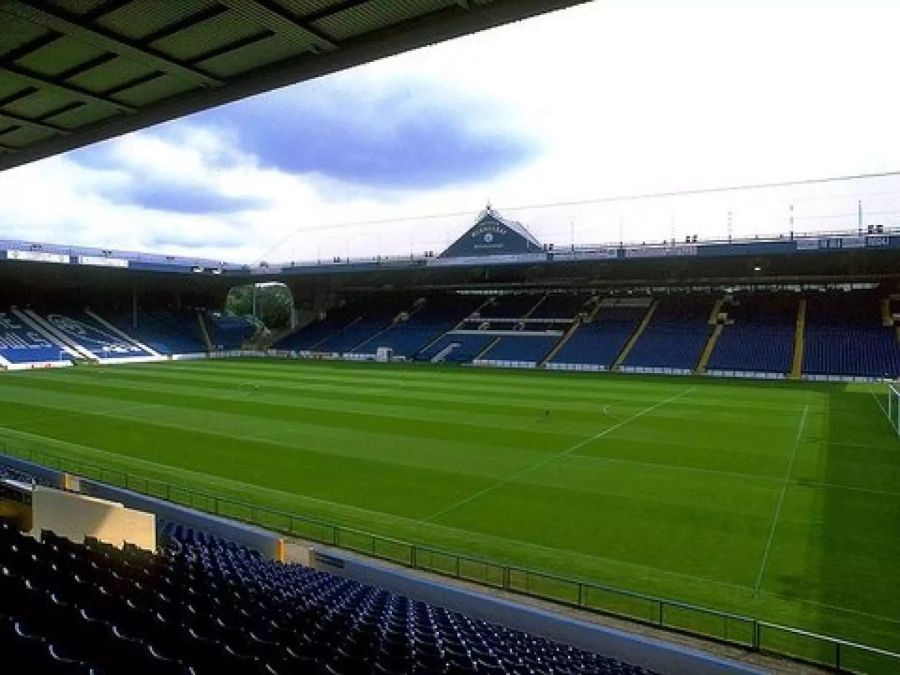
point(879, 403)
point(784, 486)
point(548, 460)
point(112, 412)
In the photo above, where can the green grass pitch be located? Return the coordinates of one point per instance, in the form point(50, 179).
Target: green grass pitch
point(772, 499)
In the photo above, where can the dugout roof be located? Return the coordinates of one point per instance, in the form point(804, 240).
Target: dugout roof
point(73, 72)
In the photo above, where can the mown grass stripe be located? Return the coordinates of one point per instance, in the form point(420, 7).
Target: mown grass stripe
point(563, 453)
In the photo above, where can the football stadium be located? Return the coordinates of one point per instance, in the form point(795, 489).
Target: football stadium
point(504, 455)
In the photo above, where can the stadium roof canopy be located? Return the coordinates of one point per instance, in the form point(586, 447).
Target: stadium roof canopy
point(73, 72)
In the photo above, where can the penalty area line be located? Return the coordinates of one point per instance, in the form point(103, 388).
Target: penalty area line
point(553, 458)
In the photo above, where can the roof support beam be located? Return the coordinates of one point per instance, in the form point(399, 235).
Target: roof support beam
point(70, 90)
point(277, 19)
point(51, 17)
point(33, 124)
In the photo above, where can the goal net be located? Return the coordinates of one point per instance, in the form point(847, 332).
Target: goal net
point(893, 406)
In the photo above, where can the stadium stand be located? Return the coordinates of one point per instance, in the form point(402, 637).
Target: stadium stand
point(675, 336)
point(379, 315)
point(846, 335)
point(526, 349)
point(456, 348)
point(436, 315)
point(597, 342)
point(166, 331)
point(22, 344)
point(512, 306)
point(560, 306)
point(9, 473)
point(229, 332)
point(309, 337)
point(759, 336)
point(87, 335)
point(202, 605)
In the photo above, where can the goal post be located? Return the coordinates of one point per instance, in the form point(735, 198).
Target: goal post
point(893, 406)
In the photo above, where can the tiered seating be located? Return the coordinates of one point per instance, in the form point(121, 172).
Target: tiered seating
point(21, 344)
point(356, 336)
point(204, 606)
point(600, 341)
point(561, 306)
point(675, 336)
point(510, 306)
point(309, 337)
point(164, 330)
point(8, 473)
point(524, 349)
point(230, 332)
point(83, 330)
point(469, 345)
point(347, 327)
point(761, 340)
point(439, 314)
point(845, 336)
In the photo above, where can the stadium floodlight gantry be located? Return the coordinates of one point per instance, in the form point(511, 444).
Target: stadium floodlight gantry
point(73, 73)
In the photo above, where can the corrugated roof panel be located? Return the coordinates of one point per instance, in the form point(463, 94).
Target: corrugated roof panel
point(251, 56)
point(39, 104)
point(80, 7)
point(84, 114)
point(59, 56)
point(377, 14)
point(11, 87)
point(15, 32)
point(24, 136)
point(155, 90)
point(111, 75)
point(144, 17)
point(195, 41)
point(301, 8)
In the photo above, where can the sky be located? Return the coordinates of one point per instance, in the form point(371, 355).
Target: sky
point(549, 120)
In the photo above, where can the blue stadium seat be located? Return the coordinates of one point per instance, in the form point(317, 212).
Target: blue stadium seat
point(167, 331)
point(761, 339)
point(309, 336)
point(599, 342)
point(346, 327)
point(465, 347)
point(230, 332)
point(439, 314)
point(845, 336)
point(560, 306)
point(511, 306)
point(527, 348)
point(19, 343)
point(85, 331)
point(204, 606)
point(675, 336)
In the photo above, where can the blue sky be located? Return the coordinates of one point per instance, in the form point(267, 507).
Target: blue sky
point(611, 98)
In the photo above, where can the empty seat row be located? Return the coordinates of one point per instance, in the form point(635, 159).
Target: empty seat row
point(203, 605)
